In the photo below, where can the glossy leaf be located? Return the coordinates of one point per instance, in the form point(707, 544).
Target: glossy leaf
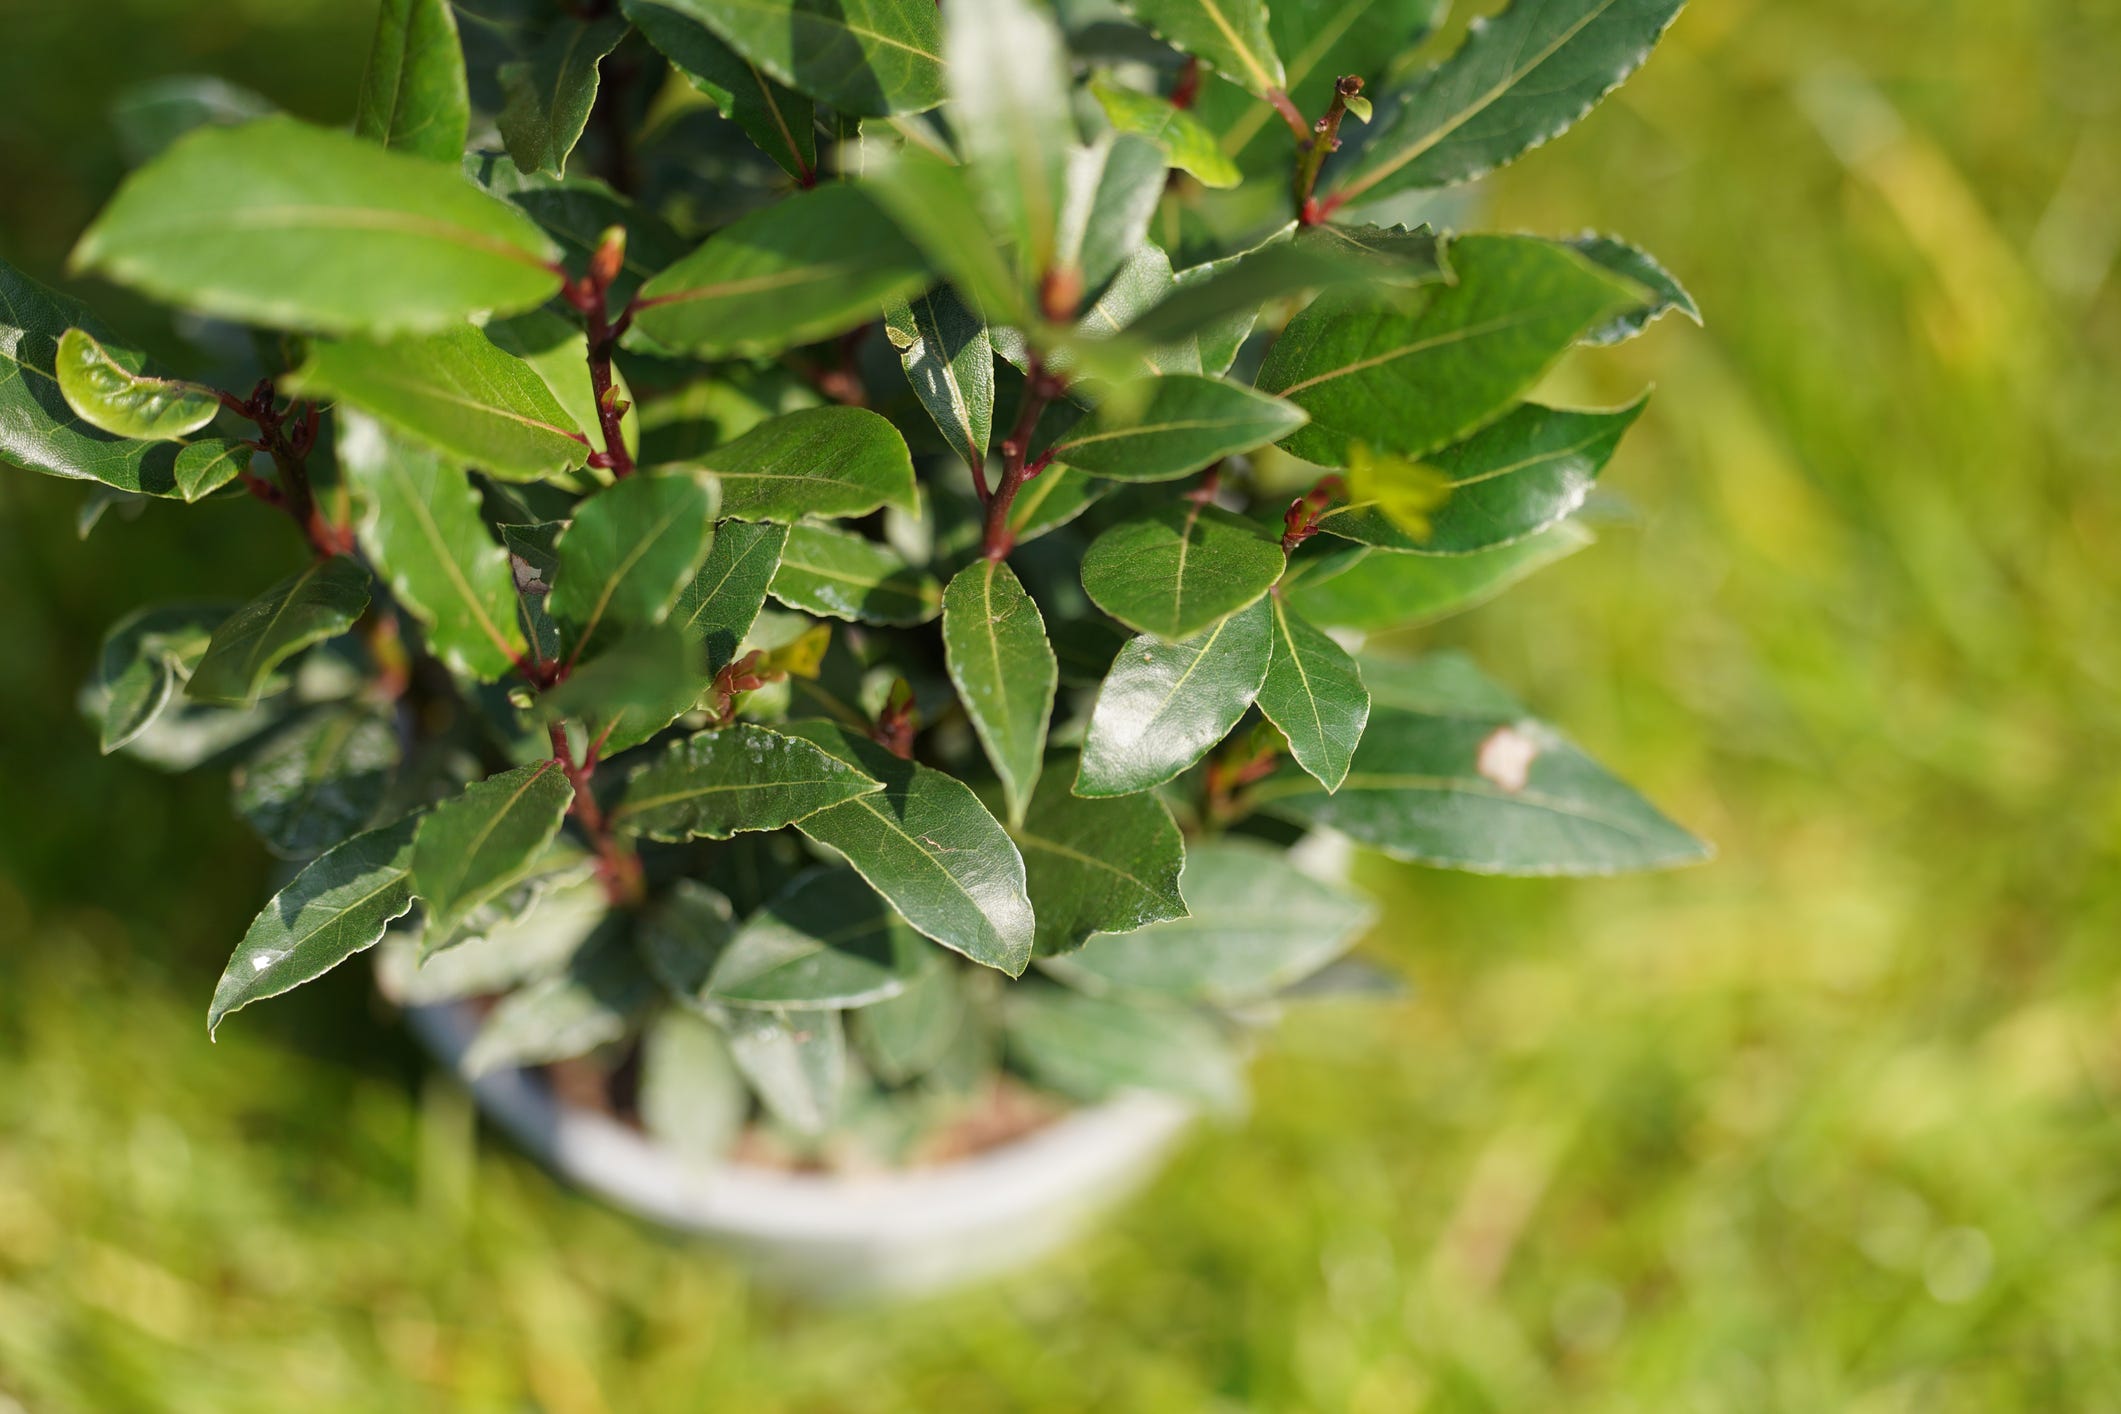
point(828, 940)
point(1113, 188)
point(1091, 1049)
point(927, 844)
point(723, 600)
point(994, 643)
point(780, 120)
point(319, 782)
point(317, 602)
point(942, 342)
point(107, 390)
point(1097, 866)
point(592, 1003)
point(1180, 568)
point(628, 554)
point(1409, 381)
point(204, 467)
point(865, 57)
point(1486, 793)
point(1229, 35)
point(292, 226)
point(420, 525)
point(1258, 924)
point(1387, 591)
point(337, 906)
point(829, 462)
point(904, 1037)
point(481, 842)
point(1008, 79)
point(144, 658)
point(1314, 693)
point(1519, 80)
point(1634, 263)
point(455, 390)
point(1162, 706)
point(1511, 479)
point(1164, 428)
point(547, 97)
point(1185, 141)
point(692, 1101)
point(842, 576)
point(413, 96)
point(795, 1061)
point(817, 264)
point(714, 784)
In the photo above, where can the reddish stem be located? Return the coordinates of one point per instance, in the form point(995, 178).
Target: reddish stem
point(1186, 91)
point(1040, 389)
point(1312, 149)
point(591, 297)
point(617, 865)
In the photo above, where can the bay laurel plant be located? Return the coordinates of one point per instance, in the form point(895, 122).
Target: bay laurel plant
point(827, 543)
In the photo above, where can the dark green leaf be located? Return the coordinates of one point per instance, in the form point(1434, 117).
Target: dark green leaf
point(906, 1036)
point(1229, 35)
point(1633, 263)
point(1519, 80)
point(1258, 924)
point(1090, 1049)
point(1113, 188)
point(317, 602)
point(1314, 693)
point(826, 941)
point(631, 691)
point(994, 642)
point(1162, 428)
point(593, 1003)
point(778, 119)
point(106, 388)
point(715, 784)
point(1410, 371)
point(1180, 568)
point(1051, 499)
point(576, 212)
point(1511, 479)
point(866, 57)
point(547, 97)
point(476, 845)
point(796, 1062)
point(830, 462)
point(319, 782)
point(1184, 140)
point(1387, 590)
point(1164, 705)
point(333, 909)
point(629, 552)
point(724, 598)
point(420, 525)
point(291, 226)
point(928, 845)
point(1008, 79)
point(413, 96)
point(144, 658)
point(815, 265)
point(943, 344)
point(842, 576)
point(1097, 866)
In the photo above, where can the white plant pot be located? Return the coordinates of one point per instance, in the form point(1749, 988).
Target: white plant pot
point(833, 1237)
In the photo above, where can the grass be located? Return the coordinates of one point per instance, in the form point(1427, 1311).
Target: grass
point(1828, 1124)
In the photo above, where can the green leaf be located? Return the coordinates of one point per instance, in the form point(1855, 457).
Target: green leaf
point(1314, 693)
point(1050, 500)
point(1164, 705)
point(724, 598)
point(1163, 428)
point(534, 943)
point(420, 525)
point(904, 1037)
point(1258, 925)
point(796, 1062)
point(317, 602)
point(1411, 371)
point(1113, 188)
point(481, 842)
point(593, 1003)
point(1519, 80)
point(842, 576)
point(557, 349)
point(994, 642)
point(1008, 79)
point(107, 390)
point(1511, 479)
point(295, 227)
point(1492, 794)
point(203, 468)
point(715, 784)
point(826, 941)
point(1633, 263)
point(1180, 568)
point(1185, 141)
point(806, 268)
point(864, 57)
point(547, 97)
point(942, 342)
point(148, 117)
point(928, 845)
point(455, 390)
point(692, 1101)
point(1090, 1048)
point(1229, 35)
point(413, 95)
point(1097, 866)
point(631, 691)
point(1385, 591)
point(333, 909)
point(780, 120)
point(681, 938)
point(829, 462)
point(930, 200)
point(628, 554)
point(144, 658)
point(319, 782)
point(576, 212)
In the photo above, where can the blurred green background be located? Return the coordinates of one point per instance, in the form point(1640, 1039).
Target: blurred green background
point(1827, 1125)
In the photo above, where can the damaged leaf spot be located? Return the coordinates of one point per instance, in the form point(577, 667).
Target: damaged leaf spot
point(1505, 758)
